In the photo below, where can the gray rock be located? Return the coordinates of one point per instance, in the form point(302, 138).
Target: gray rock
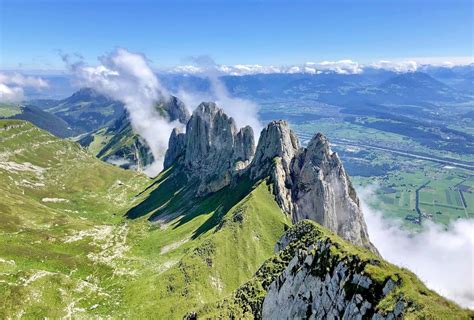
point(213, 150)
point(306, 290)
point(276, 148)
point(176, 110)
point(175, 149)
point(310, 183)
point(323, 192)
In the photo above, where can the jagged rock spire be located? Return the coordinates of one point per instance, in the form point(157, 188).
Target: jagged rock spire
point(175, 148)
point(308, 183)
point(213, 150)
point(276, 148)
point(323, 192)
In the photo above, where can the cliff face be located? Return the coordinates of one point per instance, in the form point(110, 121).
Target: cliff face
point(319, 285)
point(308, 183)
point(213, 150)
point(323, 192)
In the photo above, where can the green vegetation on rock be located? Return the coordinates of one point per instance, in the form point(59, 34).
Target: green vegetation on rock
point(330, 250)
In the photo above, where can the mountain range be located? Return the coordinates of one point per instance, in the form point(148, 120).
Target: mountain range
point(229, 229)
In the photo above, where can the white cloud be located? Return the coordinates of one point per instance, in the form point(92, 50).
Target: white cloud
point(345, 66)
point(401, 66)
point(442, 257)
point(12, 86)
point(340, 66)
point(127, 77)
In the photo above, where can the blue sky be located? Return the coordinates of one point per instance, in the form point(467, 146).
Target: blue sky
point(233, 32)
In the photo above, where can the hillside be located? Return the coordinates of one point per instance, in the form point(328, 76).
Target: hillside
point(120, 145)
point(38, 117)
point(53, 194)
point(71, 252)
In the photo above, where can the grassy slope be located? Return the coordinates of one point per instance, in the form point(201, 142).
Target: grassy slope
point(69, 250)
point(51, 191)
point(38, 117)
point(211, 248)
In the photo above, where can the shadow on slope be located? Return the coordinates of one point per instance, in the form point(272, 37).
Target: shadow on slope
point(172, 196)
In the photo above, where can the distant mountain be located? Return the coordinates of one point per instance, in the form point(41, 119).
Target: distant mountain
point(86, 110)
point(120, 145)
point(460, 78)
point(39, 118)
point(416, 87)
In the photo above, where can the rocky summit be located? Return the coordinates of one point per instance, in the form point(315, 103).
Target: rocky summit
point(212, 150)
point(308, 183)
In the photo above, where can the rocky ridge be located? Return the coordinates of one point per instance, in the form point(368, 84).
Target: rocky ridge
point(314, 274)
point(308, 183)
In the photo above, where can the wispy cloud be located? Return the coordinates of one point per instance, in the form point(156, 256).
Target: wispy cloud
point(244, 112)
point(128, 77)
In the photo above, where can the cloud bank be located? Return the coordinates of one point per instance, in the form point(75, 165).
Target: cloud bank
point(442, 258)
point(127, 77)
point(344, 66)
point(12, 86)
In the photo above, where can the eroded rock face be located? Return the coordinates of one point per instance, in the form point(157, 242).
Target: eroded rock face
point(175, 148)
point(309, 289)
point(176, 110)
point(323, 192)
point(276, 149)
point(310, 183)
point(214, 150)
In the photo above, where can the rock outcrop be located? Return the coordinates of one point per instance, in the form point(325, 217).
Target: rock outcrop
point(175, 149)
point(314, 274)
point(213, 150)
point(310, 183)
point(323, 192)
point(174, 109)
point(276, 149)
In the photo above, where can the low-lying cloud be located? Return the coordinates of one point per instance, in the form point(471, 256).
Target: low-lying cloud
point(127, 77)
point(442, 257)
point(12, 86)
point(244, 112)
